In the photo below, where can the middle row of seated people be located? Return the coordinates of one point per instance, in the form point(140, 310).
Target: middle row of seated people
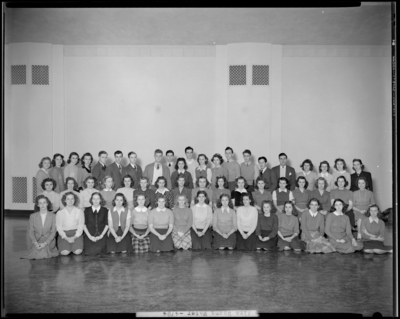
point(163, 230)
point(356, 203)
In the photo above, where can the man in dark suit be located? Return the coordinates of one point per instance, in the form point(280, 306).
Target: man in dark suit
point(154, 170)
point(170, 162)
point(133, 170)
point(266, 174)
point(99, 170)
point(115, 170)
point(283, 170)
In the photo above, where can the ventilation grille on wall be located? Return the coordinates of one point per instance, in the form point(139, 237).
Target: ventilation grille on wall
point(260, 74)
point(40, 74)
point(20, 190)
point(34, 189)
point(18, 74)
point(237, 75)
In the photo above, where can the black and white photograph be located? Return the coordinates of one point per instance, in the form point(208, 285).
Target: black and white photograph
point(209, 161)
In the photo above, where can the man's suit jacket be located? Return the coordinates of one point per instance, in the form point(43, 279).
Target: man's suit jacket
point(38, 232)
point(267, 177)
point(290, 175)
point(113, 171)
point(149, 171)
point(172, 168)
point(136, 174)
point(99, 173)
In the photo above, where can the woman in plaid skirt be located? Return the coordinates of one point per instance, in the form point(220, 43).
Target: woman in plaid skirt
point(139, 227)
point(183, 220)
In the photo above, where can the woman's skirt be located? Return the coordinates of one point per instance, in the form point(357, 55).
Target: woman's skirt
point(296, 243)
point(184, 242)
point(47, 251)
point(123, 245)
point(140, 245)
point(321, 246)
point(64, 245)
point(374, 244)
point(246, 244)
point(220, 241)
point(162, 245)
point(270, 243)
point(346, 247)
point(93, 248)
point(203, 242)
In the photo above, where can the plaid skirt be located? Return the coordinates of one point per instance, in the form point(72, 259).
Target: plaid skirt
point(322, 246)
point(184, 242)
point(140, 245)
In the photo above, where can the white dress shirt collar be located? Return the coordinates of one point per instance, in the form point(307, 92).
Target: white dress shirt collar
point(181, 172)
point(138, 209)
point(241, 190)
point(160, 210)
point(280, 190)
point(133, 165)
point(313, 214)
point(122, 209)
point(165, 190)
point(337, 213)
point(96, 209)
point(107, 190)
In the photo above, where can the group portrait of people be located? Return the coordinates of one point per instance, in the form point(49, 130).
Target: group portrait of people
point(182, 203)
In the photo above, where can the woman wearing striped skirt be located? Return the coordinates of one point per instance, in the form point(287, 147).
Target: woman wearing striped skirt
point(183, 221)
point(224, 224)
point(202, 218)
point(161, 223)
point(139, 227)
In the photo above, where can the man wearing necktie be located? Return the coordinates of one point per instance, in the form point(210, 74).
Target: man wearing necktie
point(170, 163)
point(283, 170)
point(99, 170)
point(133, 170)
point(115, 170)
point(154, 170)
point(266, 174)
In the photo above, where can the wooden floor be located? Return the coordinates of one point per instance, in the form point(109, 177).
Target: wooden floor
point(186, 280)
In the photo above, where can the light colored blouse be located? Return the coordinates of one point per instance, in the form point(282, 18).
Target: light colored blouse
point(69, 221)
point(128, 216)
point(161, 218)
point(202, 215)
point(247, 218)
point(54, 199)
point(140, 217)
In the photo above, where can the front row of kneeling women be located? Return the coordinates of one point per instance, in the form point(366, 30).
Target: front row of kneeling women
point(183, 228)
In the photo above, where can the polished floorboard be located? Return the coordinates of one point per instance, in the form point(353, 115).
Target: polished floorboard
point(201, 280)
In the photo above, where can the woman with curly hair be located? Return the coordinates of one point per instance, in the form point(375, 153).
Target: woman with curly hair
point(85, 169)
point(341, 192)
point(108, 193)
point(282, 195)
point(49, 185)
point(221, 187)
point(42, 174)
point(261, 194)
point(239, 192)
point(96, 226)
point(70, 221)
point(42, 230)
point(181, 189)
point(313, 230)
point(218, 170)
point(362, 199)
point(322, 195)
point(202, 219)
point(127, 189)
point(183, 221)
point(140, 226)
point(202, 185)
point(339, 169)
point(358, 168)
point(301, 195)
point(89, 188)
point(72, 168)
point(224, 224)
point(181, 169)
point(161, 223)
point(324, 168)
point(373, 232)
point(57, 172)
point(119, 222)
point(70, 186)
point(162, 190)
point(288, 230)
point(267, 227)
point(202, 170)
point(338, 230)
point(308, 173)
point(247, 218)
